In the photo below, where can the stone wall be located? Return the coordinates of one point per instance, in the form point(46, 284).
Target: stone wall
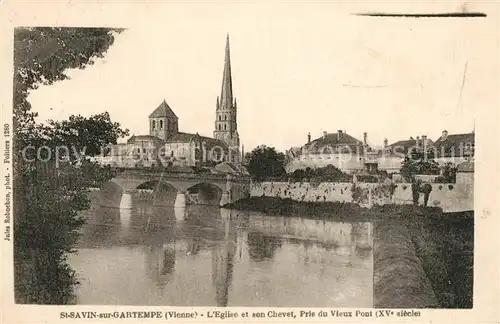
point(451, 197)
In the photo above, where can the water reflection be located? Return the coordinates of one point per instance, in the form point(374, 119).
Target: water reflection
point(202, 256)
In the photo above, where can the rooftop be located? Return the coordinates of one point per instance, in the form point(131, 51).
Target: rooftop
point(163, 110)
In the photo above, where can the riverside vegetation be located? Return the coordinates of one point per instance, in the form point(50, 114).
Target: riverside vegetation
point(50, 191)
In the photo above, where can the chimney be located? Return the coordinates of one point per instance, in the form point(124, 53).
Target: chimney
point(444, 135)
point(386, 142)
point(417, 141)
point(365, 136)
point(339, 134)
point(424, 140)
point(308, 138)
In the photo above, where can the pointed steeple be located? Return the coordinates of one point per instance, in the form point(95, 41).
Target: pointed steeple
point(226, 94)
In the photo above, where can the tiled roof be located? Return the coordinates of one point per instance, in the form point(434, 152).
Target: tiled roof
point(163, 110)
point(454, 143)
point(333, 140)
point(134, 138)
point(403, 146)
point(186, 137)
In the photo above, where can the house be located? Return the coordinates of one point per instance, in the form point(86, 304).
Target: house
point(338, 149)
point(391, 156)
point(454, 148)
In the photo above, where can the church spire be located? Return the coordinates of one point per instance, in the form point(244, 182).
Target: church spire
point(226, 94)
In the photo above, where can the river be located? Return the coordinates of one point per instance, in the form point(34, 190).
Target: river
point(208, 256)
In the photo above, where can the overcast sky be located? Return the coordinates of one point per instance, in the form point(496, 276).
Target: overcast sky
point(296, 69)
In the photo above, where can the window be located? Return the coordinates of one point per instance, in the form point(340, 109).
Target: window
point(161, 124)
point(225, 127)
point(153, 124)
point(219, 127)
point(220, 117)
point(225, 117)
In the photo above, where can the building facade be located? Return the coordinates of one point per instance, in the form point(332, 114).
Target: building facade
point(338, 149)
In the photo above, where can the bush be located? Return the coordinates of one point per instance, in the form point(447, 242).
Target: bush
point(368, 178)
point(327, 174)
point(440, 179)
point(450, 172)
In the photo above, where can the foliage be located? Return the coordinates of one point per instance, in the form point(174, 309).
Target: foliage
point(426, 190)
point(89, 135)
point(418, 162)
point(49, 195)
point(369, 178)
point(440, 179)
point(326, 174)
point(445, 247)
point(265, 162)
point(417, 188)
point(450, 172)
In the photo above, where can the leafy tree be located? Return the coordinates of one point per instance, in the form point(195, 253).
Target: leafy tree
point(265, 162)
point(90, 135)
point(49, 196)
point(418, 162)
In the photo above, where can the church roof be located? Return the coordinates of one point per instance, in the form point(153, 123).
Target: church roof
point(163, 110)
point(186, 137)
point(134, 138)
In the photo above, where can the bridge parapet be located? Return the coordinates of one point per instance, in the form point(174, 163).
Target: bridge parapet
point(232, 187)
point(181, 175)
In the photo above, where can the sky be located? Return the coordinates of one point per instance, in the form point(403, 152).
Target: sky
point(296, 68)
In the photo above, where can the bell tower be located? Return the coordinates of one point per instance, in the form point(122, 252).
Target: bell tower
point(226, 128)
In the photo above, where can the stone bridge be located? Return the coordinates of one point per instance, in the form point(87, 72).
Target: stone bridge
point(174, 189)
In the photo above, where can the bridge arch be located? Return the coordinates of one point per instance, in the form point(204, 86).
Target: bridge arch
point(162, 194)
point(205, 193)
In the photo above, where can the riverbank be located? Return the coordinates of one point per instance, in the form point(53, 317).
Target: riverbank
point(423, 258)
point(445, 245)
point(334, 211)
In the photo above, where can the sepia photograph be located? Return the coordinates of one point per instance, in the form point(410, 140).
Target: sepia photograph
point(272, 159)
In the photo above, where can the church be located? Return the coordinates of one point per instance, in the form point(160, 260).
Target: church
point(166, 145)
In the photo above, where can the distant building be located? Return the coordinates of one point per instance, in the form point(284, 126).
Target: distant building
point(391, 157)
point(338, 149)
point(454, 148)
point(166, 145)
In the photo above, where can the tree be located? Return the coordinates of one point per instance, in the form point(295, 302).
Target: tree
point(49, 196)
point(418, 162)
point(265, 162)
point(90, 135)
point(450, 172)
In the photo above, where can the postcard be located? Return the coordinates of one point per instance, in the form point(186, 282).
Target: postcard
point(250, 161)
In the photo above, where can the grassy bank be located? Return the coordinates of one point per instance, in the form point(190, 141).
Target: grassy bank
point(406, 238)
point(445, 245)
point(290, 208)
